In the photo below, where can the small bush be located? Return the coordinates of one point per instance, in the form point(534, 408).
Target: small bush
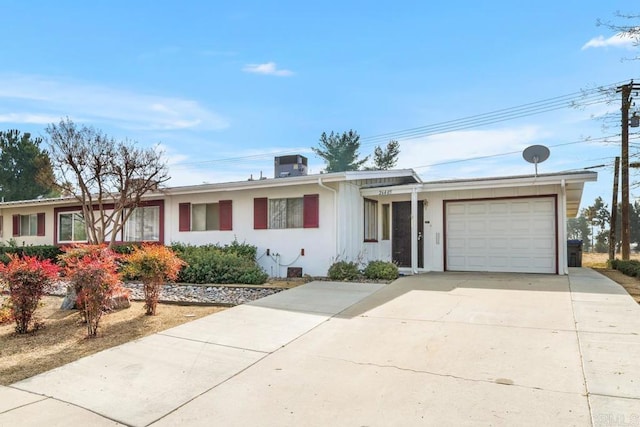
point(154, 264)
point(343, 270)
point(381, 270)
point(231, 264)
point(28, 279)
point(92, 270)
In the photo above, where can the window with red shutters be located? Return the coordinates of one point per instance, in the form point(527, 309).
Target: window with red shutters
point(311, 211)
point(184, 217)
point(260, 212)
point(226, 215)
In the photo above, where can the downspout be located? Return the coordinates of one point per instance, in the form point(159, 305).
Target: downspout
point(335, 214)
point(563, 232)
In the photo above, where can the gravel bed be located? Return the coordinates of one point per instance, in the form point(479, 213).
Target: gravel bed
point(203, 294)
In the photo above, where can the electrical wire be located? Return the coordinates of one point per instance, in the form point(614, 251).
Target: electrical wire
point(583, 98)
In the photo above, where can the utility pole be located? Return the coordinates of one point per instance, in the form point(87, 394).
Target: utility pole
point(614, 211)
point(625, 91)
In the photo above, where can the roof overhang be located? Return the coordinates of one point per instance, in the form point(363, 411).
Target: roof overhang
point(573, 183)
point(379, 178)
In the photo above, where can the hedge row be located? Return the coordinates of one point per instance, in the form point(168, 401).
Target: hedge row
point(630, 268)
point(43, 252)
point(232, 263)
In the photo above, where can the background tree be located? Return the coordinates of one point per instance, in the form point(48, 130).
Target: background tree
point(385, 159)
point(25, 168)
point(340, 151)
point(106, 176)
point(578, 229)
point(597, 217)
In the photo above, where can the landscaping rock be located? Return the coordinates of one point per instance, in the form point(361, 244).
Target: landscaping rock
point(69, 301)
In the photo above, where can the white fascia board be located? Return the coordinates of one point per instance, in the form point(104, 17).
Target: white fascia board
point(509, 182)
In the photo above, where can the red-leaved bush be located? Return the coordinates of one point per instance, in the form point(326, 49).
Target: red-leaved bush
point(154, 264)
point(92, 270)
point(27, 279)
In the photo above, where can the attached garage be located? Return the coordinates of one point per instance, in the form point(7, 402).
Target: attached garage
point(502, 235)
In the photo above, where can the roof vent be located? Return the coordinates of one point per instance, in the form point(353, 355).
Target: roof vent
point(286, 166)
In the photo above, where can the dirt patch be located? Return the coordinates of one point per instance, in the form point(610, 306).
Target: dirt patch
point(63, 336)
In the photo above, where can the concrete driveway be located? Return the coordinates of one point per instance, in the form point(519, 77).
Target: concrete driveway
point(432, 349)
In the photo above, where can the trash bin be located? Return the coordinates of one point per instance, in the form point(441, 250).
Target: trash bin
point(574, 253)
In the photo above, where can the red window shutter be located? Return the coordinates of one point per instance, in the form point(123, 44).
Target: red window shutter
point(311, 211)
point(260, 209)
point(40, 230)
point(184, 217)
point(226, 217)
point(16, 225)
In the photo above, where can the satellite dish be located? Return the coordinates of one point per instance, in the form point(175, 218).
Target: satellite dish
point(536, 154)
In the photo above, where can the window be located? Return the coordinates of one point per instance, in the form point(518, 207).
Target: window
point(143, 225)
point(295, 212)
point(286, 213)
point(205, 216)
point(386, 221)
point(72, 227)
point(370, 220)
point(28, 225)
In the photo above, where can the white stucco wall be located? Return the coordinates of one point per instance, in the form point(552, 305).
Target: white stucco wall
point(285, 245)
point(7, 225)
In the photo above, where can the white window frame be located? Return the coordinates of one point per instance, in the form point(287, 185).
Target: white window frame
point(370, 214)
point(128, 229)
point(286, 213)
point(211, 219)
point(74, 215)
point(32, 225)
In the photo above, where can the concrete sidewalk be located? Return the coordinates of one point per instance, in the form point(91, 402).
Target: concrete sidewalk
point(432, 349)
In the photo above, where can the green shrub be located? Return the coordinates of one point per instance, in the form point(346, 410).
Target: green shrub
point(41, 252)
point(343, 270)
point(230, 264)
point(381, 270)
point(630, 268)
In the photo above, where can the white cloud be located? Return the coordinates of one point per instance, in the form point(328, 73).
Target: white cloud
point(30, 99)
point(622, 40)
point(453, 146)
point(268, 68)
point(40, 119)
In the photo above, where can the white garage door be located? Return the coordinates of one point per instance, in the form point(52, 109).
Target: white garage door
point(510, 235)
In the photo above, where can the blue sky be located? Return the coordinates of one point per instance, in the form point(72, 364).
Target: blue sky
point(223, 86)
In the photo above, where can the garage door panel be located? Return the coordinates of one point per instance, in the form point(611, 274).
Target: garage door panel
point(477, 209)
point(517, 235)
point(499, 208)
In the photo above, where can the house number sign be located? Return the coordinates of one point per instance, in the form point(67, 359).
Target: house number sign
point(384, 192)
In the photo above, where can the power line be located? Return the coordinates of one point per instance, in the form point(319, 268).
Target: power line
point(602, 139)
point(581, 98)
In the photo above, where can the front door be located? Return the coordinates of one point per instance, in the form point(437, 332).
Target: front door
point(401, 234)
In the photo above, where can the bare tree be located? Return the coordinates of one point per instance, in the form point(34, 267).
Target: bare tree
point(630, 30)
point(106, 176)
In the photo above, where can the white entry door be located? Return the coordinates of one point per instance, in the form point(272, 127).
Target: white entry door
point(502, 235)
